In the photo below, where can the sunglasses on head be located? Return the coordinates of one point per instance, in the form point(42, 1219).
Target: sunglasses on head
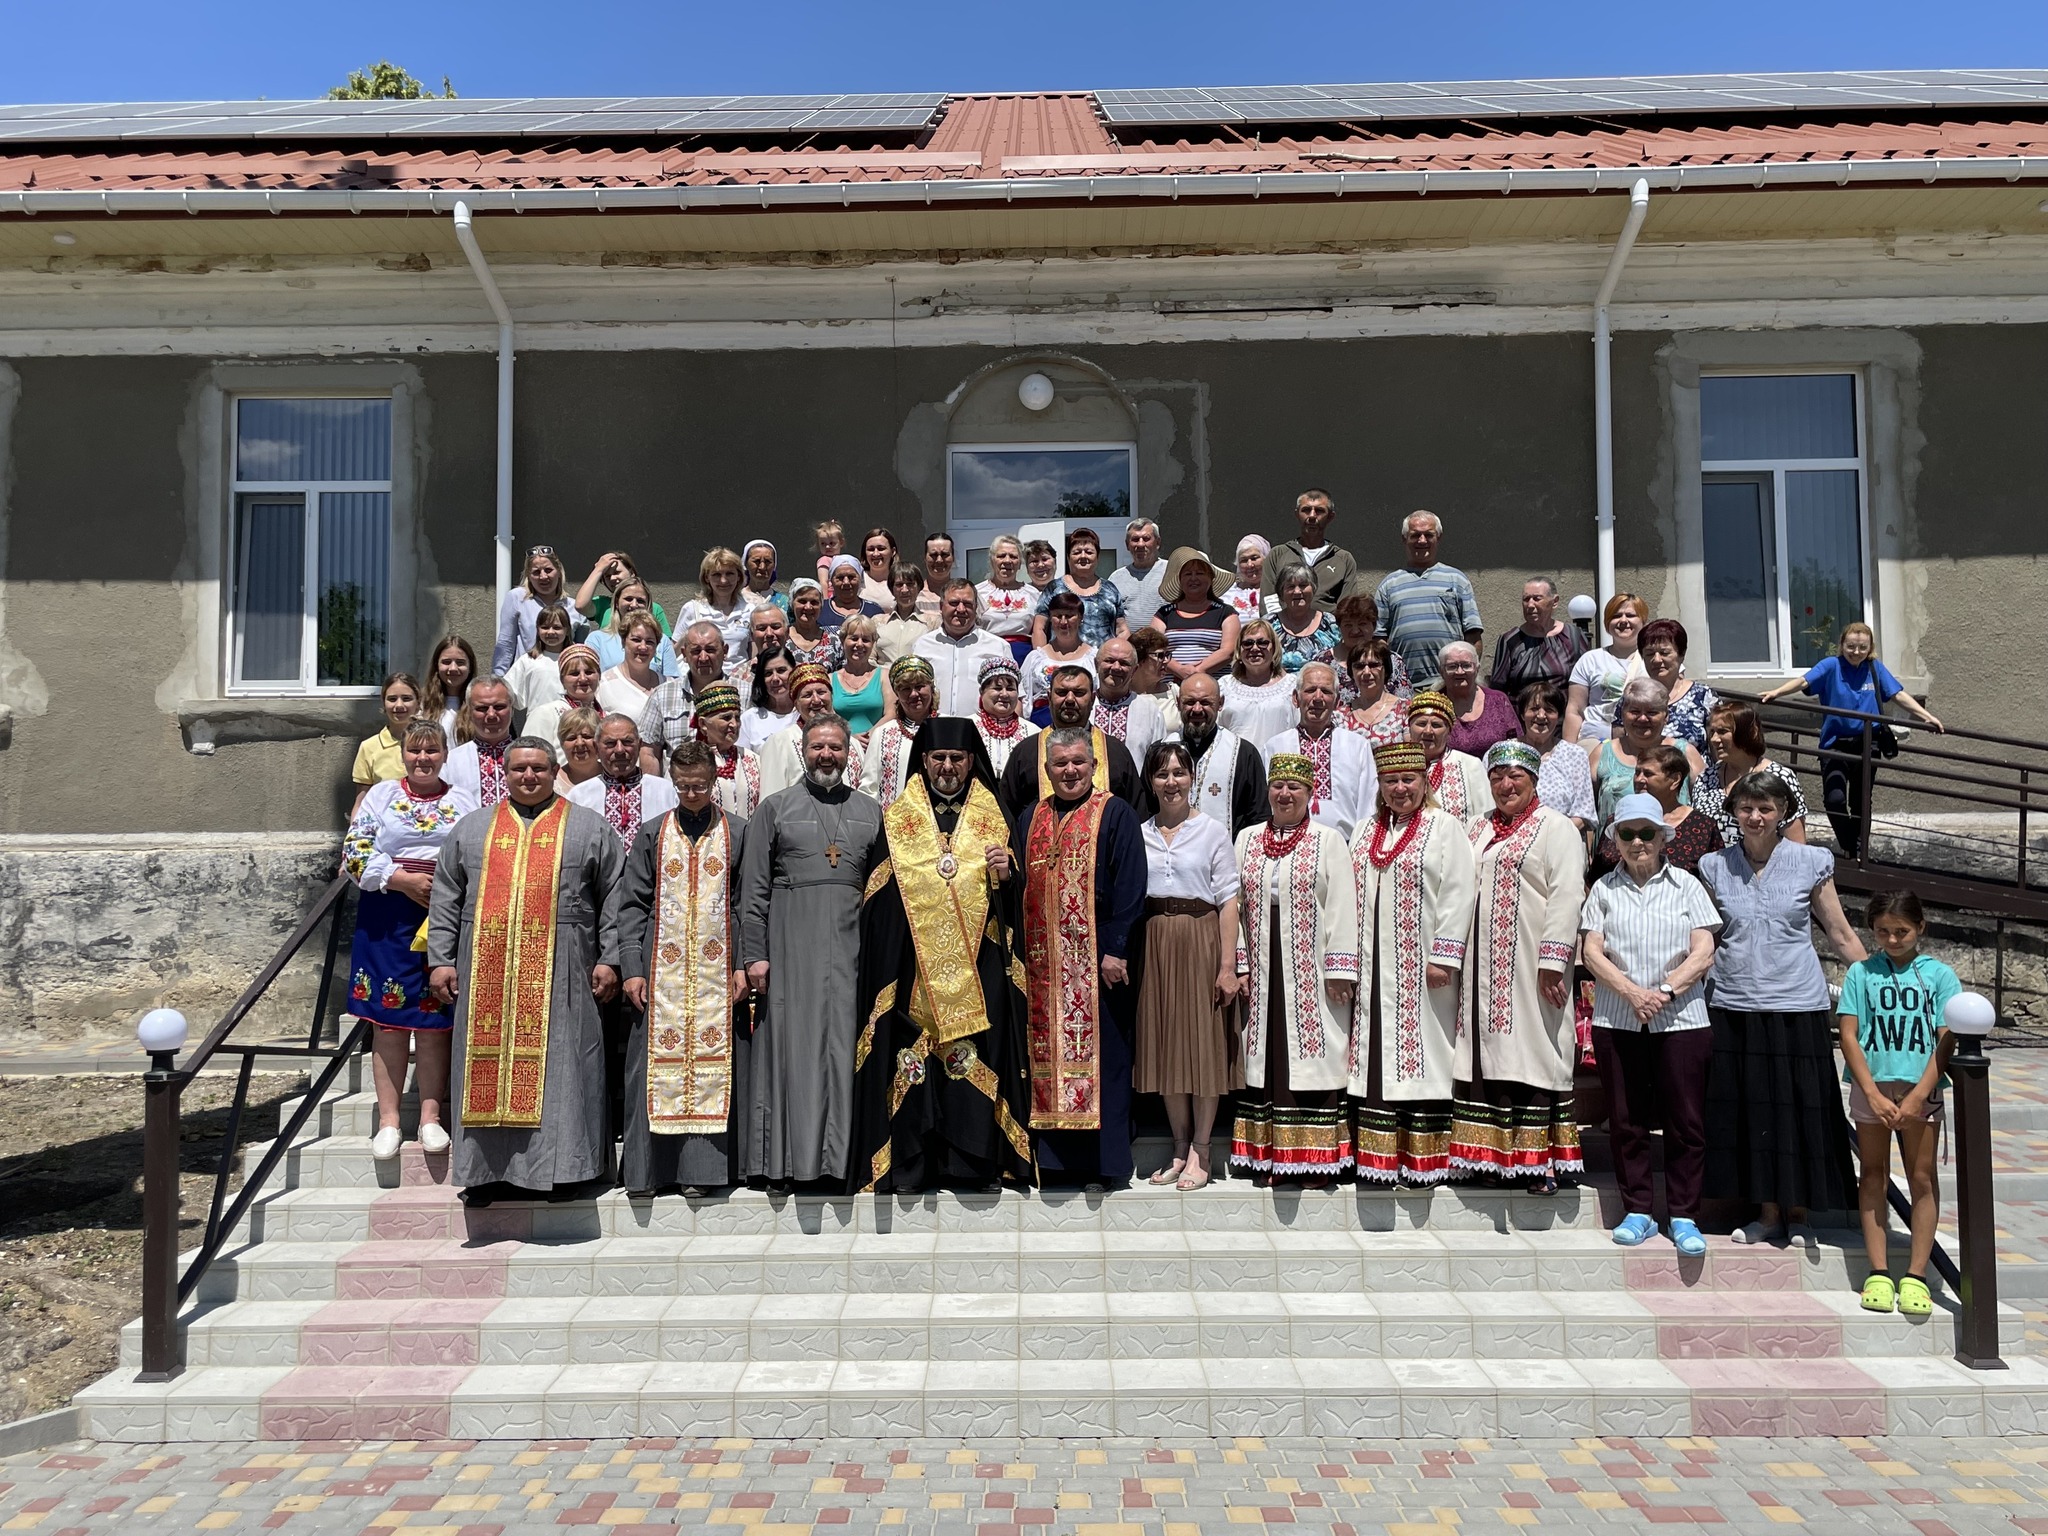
point(541, 549)
point(1635, 834)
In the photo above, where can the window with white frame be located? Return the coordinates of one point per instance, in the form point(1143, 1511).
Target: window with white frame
point(1782, 475)
point(310, 541)
point(997, 488)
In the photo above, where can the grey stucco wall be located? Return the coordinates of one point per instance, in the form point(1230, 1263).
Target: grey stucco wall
point(663, 453)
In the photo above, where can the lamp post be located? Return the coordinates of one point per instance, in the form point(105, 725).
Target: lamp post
point(1969, 1017)
point(161, 1032)
point(1583, 611)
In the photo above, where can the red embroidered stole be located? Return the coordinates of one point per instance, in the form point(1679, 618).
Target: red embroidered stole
point(689, 1000)
point(1100, 785)
point(512, 969)
point(1060, 955)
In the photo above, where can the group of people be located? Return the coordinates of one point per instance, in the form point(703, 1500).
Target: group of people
point(884, 879)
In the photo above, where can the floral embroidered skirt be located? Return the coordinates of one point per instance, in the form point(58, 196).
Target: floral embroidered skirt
point(387, 977)
point(1287, 1132)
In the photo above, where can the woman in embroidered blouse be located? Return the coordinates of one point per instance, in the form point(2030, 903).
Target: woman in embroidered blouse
point(451, 668)
point(1662, 648)
point(1298, 951)
point(1258, 698)
point(1306, 632)
point(580, 675)
point(1102, 605)
point(809, 640)
point(1483, 716)
point(999, 715)
point(1188, 1048)
point(1513, 1116)
point(1566, 782)
point(382, 756)
point(1246, 597)
point(576, 736)
point(718, 600)
point(624, 688)
point(536, 676)
point(1775, 1130)
point(1377, 713)
point(1007, 604)
point(1457, 779)
point(1735, 747)
point(1413, 865)
point(389, 851)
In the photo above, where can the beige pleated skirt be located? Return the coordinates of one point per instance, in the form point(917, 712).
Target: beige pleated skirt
point(1186, 1044)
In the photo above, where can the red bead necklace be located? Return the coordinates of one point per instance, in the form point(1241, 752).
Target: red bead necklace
point(1281, 846)
point(999, 730)
point(1378, 851)
point(1505, 827)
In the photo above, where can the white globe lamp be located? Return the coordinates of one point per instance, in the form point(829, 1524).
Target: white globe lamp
point(162, 1031)
point(1969, 1017)
point(1035, 392)
point(1582, 608)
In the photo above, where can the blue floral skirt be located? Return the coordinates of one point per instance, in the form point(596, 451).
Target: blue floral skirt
point(387, 977)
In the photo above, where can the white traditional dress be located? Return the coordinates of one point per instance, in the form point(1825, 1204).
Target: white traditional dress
point(1513, 1114)
point(1458, 780)
point(1347, 784)
point(1002, 738)
point(1414, 910)
point(625, 804)
point(887, 763)
point(1299, 916)
point(737, 789)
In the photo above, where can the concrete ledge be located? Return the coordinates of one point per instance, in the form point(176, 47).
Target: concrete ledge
point(60, 1426)
point(210, 723)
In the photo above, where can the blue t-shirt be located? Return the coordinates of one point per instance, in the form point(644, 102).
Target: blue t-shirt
point(1840, 686)
point(1898, 1013)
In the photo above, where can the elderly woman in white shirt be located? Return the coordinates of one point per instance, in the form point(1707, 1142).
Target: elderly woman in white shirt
point(1649, 941)
point(1188, 1047)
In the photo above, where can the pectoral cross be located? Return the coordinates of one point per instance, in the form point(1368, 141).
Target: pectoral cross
point(832, 853)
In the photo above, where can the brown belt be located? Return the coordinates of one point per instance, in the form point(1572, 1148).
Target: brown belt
point(1178, 906)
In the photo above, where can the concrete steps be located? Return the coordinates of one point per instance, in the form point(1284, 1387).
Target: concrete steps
point(363, 1300)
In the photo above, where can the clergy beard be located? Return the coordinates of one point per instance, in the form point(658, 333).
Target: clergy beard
point(825, 778)
point(1197, 742)
point(947, 789)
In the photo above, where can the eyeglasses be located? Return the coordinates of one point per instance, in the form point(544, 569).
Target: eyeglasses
point(1636, 834)
point(1255, 645)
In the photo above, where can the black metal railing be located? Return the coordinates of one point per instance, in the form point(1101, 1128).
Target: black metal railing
point(163, 1288)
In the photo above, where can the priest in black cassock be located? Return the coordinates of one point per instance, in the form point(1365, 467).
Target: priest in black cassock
point(942, 1075)
point(1025, 782)
point(1230, 773)
point(1083, 859)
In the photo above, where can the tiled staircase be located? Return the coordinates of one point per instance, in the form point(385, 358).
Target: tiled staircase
point(366, 1302)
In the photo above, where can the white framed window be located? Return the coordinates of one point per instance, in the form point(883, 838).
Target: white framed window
point(309, 540)
point(1784, 516)
point(997, 488)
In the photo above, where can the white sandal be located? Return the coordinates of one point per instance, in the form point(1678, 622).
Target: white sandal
point(433, 1138)
point(384, 1145)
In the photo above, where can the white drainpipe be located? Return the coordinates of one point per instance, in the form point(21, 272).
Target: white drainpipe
point(478, 265)
point(1603, 394)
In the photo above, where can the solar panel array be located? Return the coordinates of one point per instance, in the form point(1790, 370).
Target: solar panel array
point(482, 117)
point(1851, 91)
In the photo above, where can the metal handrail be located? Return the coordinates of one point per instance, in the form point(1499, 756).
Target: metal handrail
point(163, 1288)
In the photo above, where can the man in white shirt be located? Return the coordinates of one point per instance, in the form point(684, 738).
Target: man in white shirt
point(1138, 579)
point(621, 793)
point(1347, 783)
point(1132, 718)
point(956, 650)
point(478, 765)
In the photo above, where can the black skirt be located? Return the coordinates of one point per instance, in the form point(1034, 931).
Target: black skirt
point(1775, 1130)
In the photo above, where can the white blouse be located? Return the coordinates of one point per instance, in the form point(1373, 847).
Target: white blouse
point(757, 725)
point(618, 694)
point(731, 622)
point(1005, 611)
point(1257, 714)
point(1198, 865)
point(534, 680)
point(391, 824)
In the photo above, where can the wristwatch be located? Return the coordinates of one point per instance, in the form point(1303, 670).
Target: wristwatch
point(1665, 988)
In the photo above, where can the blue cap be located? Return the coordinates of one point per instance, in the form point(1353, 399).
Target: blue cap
point(1638, 808)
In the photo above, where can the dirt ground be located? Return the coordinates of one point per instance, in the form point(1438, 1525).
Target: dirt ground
point(71, 1217)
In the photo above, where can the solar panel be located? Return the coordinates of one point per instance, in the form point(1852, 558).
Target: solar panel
point(1860, 89)
point(564, 115)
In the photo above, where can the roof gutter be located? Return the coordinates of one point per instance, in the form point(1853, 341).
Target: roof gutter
point(466, 237)
point(1191, 187)
point(1603, 395)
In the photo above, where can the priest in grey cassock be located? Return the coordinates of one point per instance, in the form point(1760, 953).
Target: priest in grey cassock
point(686, 1064)
point(802, 871)
point(1230, 773)
point(523, 944)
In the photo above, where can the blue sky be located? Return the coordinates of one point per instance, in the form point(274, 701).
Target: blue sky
point(140, 50)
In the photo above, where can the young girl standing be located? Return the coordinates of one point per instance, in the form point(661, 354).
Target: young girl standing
point(1895, 1049)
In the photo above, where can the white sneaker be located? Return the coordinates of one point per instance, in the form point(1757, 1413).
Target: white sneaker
point(384, 1145)
point(1801, 1234)
point(433, 1138)
point(1756, 1232)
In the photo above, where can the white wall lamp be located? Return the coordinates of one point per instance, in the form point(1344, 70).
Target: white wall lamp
point(1035, 392)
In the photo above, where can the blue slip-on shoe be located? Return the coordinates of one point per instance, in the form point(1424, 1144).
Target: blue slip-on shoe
point(1634, 1231)
point(1685, 1236)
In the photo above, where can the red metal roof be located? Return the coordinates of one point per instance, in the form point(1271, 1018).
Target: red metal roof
point(984, 138)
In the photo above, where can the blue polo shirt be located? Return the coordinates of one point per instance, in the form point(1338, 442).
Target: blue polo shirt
point(1840, 686)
